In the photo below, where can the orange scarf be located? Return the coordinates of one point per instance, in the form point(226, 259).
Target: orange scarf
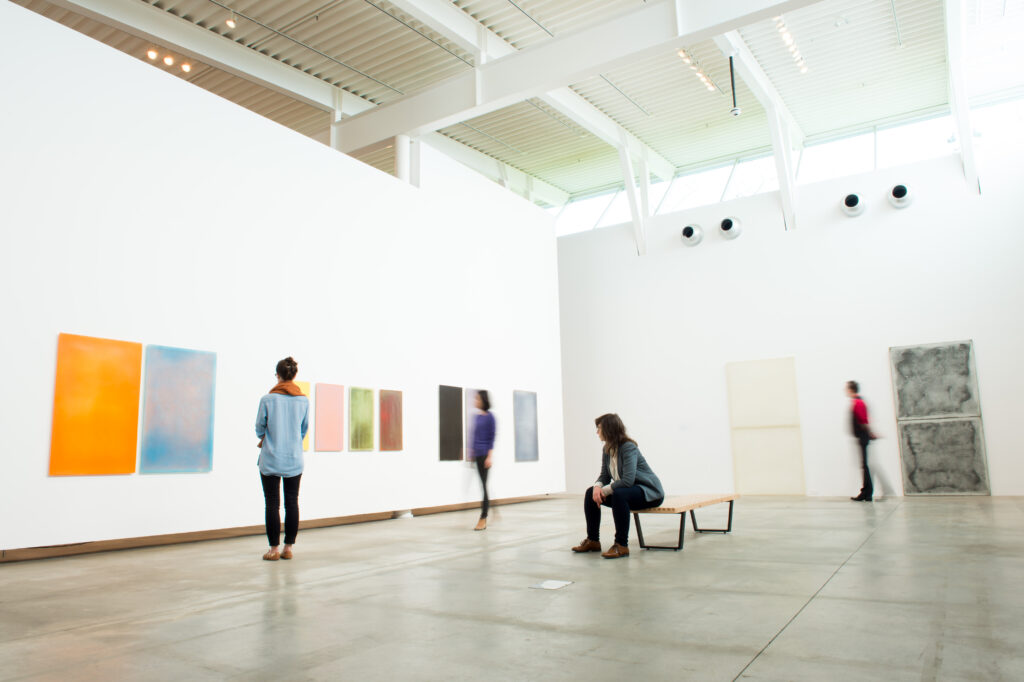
point(287, 388)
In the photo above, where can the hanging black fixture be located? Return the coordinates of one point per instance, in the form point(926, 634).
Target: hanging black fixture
point(736, 111)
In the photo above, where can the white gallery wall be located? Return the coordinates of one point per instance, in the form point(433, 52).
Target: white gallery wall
point(138, 207)
point(650, 337)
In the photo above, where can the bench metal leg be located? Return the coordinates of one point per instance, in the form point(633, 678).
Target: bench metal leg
point(728, 529)
point(640, 533)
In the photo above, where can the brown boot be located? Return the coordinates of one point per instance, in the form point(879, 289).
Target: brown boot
point(588, 545)
point(481, 524)
point(616, 551)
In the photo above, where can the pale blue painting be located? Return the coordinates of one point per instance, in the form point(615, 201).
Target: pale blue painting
point(177, 419)
point(524, 413)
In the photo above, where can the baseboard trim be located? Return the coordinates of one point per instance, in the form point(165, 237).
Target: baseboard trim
point(54, 551)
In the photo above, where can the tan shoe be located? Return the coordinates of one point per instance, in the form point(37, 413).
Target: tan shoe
point(481, 524)
point(286, 553)
point(616, 551)
point(272, 554)
point(588, 545)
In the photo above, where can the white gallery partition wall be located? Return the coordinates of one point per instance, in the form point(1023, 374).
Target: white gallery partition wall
point(137, 207)
point(652, 337)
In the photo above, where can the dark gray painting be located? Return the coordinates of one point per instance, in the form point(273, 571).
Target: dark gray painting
point(943, 456)
point(937, 380)
point(524, 414)
point(449, 400)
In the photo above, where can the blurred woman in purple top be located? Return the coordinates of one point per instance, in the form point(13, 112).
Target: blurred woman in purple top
point(482, 449)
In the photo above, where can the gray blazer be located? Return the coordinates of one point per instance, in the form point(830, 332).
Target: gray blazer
point(633, 470)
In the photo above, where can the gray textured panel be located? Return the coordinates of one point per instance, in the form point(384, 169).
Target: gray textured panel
point(943, 457)
point(936, 380)
point(524, 412)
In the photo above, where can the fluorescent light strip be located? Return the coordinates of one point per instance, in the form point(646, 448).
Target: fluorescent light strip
point(790, 43)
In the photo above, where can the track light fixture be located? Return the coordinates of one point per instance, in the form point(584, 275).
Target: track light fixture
point(692, 235)
point(730, 227)
point(231, 23)
point(899, 196)
point(852, 205)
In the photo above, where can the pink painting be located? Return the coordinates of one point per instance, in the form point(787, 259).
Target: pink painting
point(330, 402)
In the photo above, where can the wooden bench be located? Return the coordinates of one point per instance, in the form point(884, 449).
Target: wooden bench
point(680, 504)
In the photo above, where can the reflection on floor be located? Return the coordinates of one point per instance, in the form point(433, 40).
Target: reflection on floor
point(803, 589)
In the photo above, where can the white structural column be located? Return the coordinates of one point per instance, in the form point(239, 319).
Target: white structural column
point(486, 46)
point(783, 128)
point(637, 198)
point(955, 22)
point(652, 29)
point(403, 169)
point(149, 22)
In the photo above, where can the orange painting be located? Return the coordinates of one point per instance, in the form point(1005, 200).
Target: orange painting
point(95, 406)
point(304, 387)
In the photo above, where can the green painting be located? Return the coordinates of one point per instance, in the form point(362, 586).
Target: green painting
point(360, 419)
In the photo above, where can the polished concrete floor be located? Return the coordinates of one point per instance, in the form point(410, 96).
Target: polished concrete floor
point(803, 589)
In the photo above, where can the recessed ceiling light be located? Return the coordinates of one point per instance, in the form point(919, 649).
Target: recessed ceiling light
point(186, 67)
point(231, 21)
point(169, 60)
point(152, 54)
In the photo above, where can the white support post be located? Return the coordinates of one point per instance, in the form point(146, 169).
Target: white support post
point(783, 166)
point(644, 176)
point(415, 163)
point(636, 208)
point(336, 116)
point(955, 22)
point(402, 170)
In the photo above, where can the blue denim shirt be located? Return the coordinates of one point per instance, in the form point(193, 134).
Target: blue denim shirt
point(282, 422)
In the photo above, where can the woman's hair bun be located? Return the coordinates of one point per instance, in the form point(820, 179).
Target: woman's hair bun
point(287, 368)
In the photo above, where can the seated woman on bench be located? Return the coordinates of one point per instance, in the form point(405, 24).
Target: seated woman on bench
point(626, 483)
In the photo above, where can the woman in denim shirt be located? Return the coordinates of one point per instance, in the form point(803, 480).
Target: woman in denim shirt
point(281, 423)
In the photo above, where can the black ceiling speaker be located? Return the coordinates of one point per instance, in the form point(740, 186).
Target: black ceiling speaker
point(730, 227)
point(692, 235)
point(899, 196)
point(852, 205)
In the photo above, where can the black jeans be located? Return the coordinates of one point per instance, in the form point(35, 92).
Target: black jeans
point(867, 490)
point(482, 469)
point(621, 501)
point(272, 496)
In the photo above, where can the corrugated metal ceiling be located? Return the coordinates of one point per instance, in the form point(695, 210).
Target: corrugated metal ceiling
point(869, 62)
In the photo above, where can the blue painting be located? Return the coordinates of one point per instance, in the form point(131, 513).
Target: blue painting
point(177, 419)
point(524, 413)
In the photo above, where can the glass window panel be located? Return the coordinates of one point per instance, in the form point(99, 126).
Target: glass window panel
point(697, 189)
point(916, 142)
point(753, 177)
point(582, 215)
point(618, 210)
point(998, 126)
point(837, 159)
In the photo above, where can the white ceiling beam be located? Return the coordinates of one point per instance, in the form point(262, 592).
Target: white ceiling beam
point(562, 60)
point(509, 177)
point(447, 20)
point(453, 23)
point(596, 122)
point(782, 126)
point(165, 29)
point(956, 14)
